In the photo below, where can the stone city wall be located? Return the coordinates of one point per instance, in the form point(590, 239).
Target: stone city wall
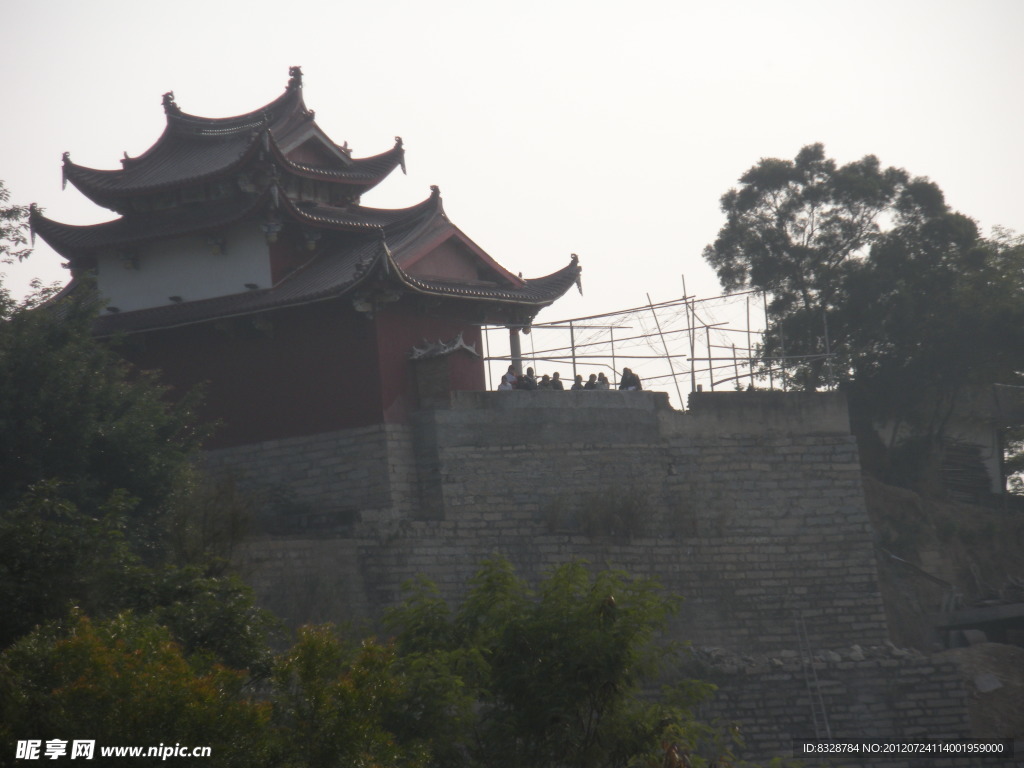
point(326, 482)
point(749, 505)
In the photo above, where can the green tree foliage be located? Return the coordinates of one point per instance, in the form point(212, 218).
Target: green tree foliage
point(552, 677)
point(210, 615)
point(52, 554)
point(100, 503)
point(875, 285)
point(557, 676)
point(934, 313)
point(13, 229)
point(796, 229)
point(125, 682)
point(72, 411)
point(336, 704)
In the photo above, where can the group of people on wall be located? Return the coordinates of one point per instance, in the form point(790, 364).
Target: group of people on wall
point(528, 381)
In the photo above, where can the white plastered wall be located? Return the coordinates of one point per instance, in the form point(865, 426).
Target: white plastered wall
point(186, 267)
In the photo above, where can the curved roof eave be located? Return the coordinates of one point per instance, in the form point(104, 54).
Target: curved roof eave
point(365, 172)
point(76, 240)
point(184, 125)
point(273, 114)
point(539, 292)
point(106, 187)
point(362, 221)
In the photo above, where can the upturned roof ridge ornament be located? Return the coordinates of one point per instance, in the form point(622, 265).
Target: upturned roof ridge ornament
point(440, 348)
point(170, 106)
point(66, 157)
point(294, 78)
point(401, 153)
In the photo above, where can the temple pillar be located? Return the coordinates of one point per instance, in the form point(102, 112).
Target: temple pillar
point(516, 350)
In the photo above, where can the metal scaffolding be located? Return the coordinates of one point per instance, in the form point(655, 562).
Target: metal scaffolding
point(706, 343)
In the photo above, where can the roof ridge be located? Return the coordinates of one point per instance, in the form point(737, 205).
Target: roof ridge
point(290, 102)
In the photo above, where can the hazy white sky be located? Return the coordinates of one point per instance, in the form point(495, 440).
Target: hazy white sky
point(602, 128)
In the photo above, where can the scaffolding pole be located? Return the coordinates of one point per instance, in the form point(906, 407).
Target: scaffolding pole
point(664, 345)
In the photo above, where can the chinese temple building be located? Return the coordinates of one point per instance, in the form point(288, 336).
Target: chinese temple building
point(243, 260)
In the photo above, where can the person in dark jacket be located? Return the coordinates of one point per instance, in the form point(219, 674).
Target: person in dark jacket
point(527, 381)
point(630, 381)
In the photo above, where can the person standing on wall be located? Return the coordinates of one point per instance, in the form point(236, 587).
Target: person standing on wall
point(630, 381)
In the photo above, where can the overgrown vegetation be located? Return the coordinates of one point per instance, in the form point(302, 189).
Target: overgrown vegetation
point(518, 677)
point(546, 677)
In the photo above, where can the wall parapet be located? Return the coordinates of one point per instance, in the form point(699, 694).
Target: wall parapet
point(751, 413)
point(719, 413)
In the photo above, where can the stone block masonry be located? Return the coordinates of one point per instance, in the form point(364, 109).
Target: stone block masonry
point(328, 482)
point(749, 505)
point(851, 694)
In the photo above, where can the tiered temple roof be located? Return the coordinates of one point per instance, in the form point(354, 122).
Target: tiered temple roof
point(274, 167)
point(195, 150)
